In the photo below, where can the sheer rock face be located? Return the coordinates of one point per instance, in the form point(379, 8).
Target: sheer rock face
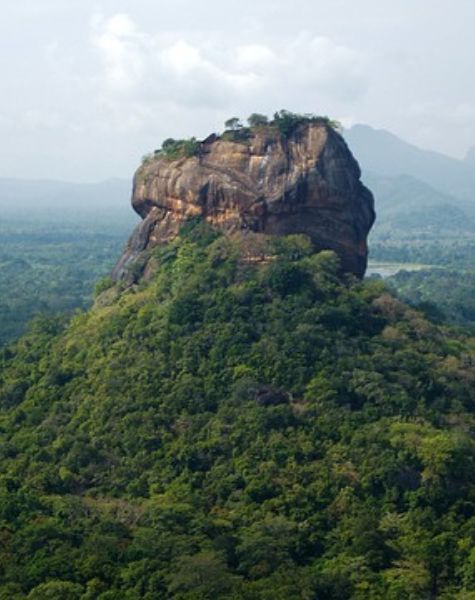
point(308, 183)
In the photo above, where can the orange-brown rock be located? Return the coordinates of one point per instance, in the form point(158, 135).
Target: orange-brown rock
point(308, 183)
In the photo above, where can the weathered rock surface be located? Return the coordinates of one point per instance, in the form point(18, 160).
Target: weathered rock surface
point(308, 183)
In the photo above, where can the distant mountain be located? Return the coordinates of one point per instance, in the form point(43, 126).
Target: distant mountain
point(407, 207)
point(382, 152)
point(470, 156)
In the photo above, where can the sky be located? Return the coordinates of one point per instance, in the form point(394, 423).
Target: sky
point(90, 86)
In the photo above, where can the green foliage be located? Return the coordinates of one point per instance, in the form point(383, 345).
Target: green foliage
point(102, 285)
point(286, 121)
point(203, 575)
point(239, 432)
point(56, 590)
point(233, 124)
point(444, 295)
point(239, 134)
point(148, 158)
point(447, 253)
point(293, 247)
point(443, 285)
point(430, 237)
point(51, 269)
point(175, 149)
point(257, 120)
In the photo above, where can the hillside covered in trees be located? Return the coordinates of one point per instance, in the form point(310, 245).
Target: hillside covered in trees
point(237, 429)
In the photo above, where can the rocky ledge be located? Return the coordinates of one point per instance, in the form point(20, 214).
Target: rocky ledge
point(307, 182)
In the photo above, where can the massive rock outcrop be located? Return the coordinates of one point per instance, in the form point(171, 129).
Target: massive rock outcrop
point(307, 182)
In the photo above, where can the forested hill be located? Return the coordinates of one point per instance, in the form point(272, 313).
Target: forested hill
point(228, 429)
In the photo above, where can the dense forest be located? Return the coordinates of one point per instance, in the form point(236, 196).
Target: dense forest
point(433, 244)
point(425, 223)
point(49, 267)
point(443, 285)
point(236, 430)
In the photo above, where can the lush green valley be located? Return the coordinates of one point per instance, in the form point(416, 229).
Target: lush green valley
point(443, 285)
point(241, 431)
point(430, 238)
point(48, 271)
point(425, 225)
point(56, 240)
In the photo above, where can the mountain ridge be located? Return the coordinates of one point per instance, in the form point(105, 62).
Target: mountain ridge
point(385, 153)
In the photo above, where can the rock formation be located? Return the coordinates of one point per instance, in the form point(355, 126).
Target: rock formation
point(307, 182)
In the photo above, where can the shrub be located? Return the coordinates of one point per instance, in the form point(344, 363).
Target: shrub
point(235, 131)
point(237, 135)
point(102, 285)
point(286, 121)
point(175, 149)
point(146, 158)
point(257, 120)
point(234, 123)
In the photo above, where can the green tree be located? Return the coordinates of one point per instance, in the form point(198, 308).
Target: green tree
point(233, 124)
point(257, 120)
point(56, 590)
point(203, 575)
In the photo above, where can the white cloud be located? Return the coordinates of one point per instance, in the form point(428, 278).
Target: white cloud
point(107, 90)
point(34, 118)
point(331, 68)
point(182, 58)
point(143, 71)
point(255, 56)
point(429, 124)
point(448, 112)
point(122, 49)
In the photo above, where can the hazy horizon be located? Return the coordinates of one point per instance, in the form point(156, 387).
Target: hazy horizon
point(89, 87)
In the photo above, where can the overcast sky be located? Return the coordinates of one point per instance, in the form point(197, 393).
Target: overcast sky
point(89, 86)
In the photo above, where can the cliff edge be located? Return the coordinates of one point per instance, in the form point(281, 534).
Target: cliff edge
point(307, 182)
